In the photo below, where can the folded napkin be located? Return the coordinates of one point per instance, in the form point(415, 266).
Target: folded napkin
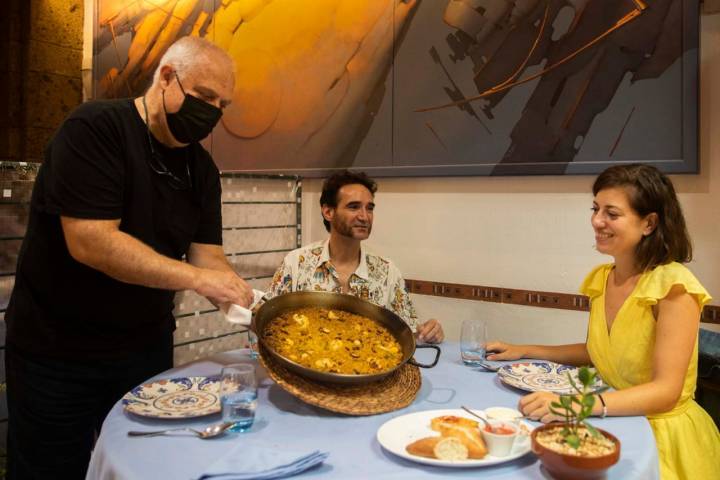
point(257, 461)
point(241, 315)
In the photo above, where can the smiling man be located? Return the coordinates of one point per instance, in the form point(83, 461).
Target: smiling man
point(341, 263)
point(125, 192)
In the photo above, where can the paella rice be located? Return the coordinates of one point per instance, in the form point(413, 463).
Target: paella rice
point(333, 341)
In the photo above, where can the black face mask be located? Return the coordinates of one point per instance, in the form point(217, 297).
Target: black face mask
point(195, 119)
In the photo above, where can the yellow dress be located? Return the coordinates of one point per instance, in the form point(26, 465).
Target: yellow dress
point(688, 441)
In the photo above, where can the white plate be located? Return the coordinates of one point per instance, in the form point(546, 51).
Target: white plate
point(183, 397)
point(541, 377)
point(394, 435)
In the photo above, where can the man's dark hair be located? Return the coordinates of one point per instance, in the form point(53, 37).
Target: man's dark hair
point(650, 191)
point(336, 181)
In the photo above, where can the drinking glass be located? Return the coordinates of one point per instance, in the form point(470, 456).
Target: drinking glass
point(473, 337)
point(238, 395)
point(253, 344)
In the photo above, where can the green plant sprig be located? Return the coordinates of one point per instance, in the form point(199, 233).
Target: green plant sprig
point(575, 408)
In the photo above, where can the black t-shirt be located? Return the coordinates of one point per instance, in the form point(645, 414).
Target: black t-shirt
point(97, 166)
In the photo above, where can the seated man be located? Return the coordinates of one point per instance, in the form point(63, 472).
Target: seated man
point(341, 264)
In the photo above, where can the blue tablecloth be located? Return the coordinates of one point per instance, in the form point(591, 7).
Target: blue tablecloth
point(355, 453)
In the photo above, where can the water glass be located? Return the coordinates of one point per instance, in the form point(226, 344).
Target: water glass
point(253, 344)
point(238, 395)
point(473, 337)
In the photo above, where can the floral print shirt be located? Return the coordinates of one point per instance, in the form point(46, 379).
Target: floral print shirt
point(376, 279)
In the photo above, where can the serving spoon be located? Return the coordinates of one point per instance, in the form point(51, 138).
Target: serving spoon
point(487, 424)
point(208, 432)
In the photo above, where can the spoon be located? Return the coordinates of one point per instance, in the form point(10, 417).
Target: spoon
point(487, 424)
point(488, 367)
point(208, 432)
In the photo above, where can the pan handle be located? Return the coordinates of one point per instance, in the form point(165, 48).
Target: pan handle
point(422, 365)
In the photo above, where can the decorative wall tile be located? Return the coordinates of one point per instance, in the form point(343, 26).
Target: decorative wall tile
point(258, 189)
point(196, 351)
point(259, 240)
point(258, 265)
point(203, 326)
point(188, 301)
point(259, 215)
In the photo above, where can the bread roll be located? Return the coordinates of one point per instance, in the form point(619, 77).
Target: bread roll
point(442, 448)
point(425, 447)
point(463, 429)
point(449, 448)
point(451, 421)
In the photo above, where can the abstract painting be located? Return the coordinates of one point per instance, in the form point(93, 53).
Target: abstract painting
point(429, 87)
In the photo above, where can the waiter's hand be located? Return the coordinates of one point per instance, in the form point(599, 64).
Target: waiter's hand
point(223, 287)
point(430, 332)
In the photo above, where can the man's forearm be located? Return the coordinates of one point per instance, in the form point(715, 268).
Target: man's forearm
point(213, 262)
point(125, 258)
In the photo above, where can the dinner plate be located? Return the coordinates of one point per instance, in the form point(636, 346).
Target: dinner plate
point(542, 377)
point(184, 397)
point(394, 435)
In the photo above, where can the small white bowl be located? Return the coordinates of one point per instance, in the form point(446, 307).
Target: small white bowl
point(502, 413)
point(500, 444)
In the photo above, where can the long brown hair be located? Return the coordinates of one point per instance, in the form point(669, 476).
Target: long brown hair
point(650, 191)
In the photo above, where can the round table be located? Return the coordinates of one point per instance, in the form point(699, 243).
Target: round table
point(284, 421)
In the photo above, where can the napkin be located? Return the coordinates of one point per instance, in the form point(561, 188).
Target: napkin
point(236, 314)
point(258, 461)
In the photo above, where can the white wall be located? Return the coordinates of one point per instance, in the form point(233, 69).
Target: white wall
point(527, 232)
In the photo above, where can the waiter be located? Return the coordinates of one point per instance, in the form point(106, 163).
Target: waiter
point(125, 193)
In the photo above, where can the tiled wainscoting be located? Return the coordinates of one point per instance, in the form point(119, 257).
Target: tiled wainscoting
point(261, 223)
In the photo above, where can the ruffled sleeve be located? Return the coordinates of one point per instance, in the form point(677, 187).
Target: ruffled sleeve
point(594, 284)
point(656, 284)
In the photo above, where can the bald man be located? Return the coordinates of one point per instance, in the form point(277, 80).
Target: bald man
point(125, 192)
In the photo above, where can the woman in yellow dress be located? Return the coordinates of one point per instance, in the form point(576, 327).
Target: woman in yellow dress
point(644, 320)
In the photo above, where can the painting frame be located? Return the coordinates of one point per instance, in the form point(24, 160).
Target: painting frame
point(403, 140)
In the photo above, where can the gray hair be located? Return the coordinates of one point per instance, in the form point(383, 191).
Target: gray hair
point(190, 52)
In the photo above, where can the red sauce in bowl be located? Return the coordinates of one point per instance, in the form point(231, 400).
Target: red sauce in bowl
point(500, 430)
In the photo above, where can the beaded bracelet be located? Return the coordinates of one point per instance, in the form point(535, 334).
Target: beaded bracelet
point(604, 407)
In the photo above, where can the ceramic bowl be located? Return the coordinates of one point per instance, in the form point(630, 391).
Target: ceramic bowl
point(503, 413)
point(571, 467)
point(500, 441)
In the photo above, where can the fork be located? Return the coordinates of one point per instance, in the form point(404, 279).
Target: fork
point(163, 432)
point(208, 432)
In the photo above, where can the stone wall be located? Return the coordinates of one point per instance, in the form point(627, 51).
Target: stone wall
point(40, 80)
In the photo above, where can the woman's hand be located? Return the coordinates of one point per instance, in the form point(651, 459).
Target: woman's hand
point(503, 351)
point(537, 406)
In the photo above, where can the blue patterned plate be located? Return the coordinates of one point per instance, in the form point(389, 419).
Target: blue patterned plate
point(184, 397)
point(541, 377)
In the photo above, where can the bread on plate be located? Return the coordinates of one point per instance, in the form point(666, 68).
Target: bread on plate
point(442, 448)
point(462, 430)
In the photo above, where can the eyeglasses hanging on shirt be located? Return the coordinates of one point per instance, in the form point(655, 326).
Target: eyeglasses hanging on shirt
point(159, 167)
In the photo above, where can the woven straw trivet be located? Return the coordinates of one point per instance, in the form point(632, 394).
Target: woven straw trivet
point(393, 392)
